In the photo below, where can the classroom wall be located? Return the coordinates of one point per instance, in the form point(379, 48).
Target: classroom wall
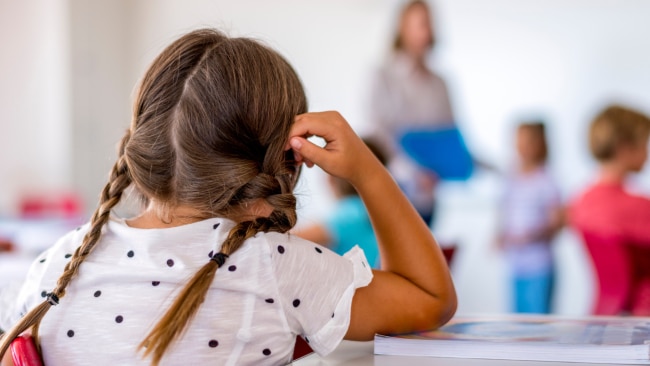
point(35, 139)
point(100, 35)
point(65, 94)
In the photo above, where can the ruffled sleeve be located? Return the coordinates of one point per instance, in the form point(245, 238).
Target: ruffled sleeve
point(316, 287)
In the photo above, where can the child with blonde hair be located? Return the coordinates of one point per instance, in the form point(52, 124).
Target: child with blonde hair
point(207, 273)
point(618, 140)
point(607, 212)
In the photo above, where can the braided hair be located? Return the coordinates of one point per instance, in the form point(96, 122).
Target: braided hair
point(211, 119)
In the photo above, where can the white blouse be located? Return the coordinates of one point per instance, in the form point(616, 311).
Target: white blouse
point(276, 286)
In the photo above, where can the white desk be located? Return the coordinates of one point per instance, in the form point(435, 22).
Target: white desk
point(361, 354)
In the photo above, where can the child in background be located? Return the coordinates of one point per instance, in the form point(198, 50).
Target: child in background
point(531, 215)
point(618, 140)
point(348, 224)
point(207, 273)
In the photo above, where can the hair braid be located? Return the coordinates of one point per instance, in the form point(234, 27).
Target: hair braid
point(214, 114)
point(119, 180)
point(175, 320)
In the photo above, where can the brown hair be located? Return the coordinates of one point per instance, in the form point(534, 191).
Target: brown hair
point(538, 130)
point(343, 187)
point(211, 120)
point(616, 126)
point(398, 44)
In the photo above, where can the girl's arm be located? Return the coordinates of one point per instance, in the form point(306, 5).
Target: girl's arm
point(414, 291)
point(7, 360)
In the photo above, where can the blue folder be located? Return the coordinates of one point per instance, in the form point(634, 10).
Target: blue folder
point(441, 150)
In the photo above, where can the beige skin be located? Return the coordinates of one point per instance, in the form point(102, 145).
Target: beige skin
point(7, 360)
point(414, 290)
point(182, 215)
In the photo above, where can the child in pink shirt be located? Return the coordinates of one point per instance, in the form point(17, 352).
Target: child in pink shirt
point(618, 139)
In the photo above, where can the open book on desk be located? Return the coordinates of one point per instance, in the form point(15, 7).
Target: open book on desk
point(608, 340)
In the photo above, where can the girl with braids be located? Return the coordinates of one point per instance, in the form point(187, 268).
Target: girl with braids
point(208, 273)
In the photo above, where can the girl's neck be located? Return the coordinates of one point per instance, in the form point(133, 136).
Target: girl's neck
point(154, 217)
point(151, 218)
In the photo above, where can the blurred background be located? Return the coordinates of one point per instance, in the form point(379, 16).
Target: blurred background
point(69, 68)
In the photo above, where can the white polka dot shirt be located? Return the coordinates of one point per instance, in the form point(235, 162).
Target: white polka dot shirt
point(276, 286)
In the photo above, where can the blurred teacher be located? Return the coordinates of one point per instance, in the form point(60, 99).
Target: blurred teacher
point(409, 95)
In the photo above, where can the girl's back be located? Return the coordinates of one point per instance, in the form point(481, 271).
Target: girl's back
point(254, 307)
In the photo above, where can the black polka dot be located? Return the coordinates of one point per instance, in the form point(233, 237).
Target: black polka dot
point(211, 254)
point(155, 283)
point(170, 262)
point(306, 339)
point(68, 255)
point(232, 268)
point(266, 352)
point(296, 303)
point(130, 254)
point(332, 315)
point(280, 249)
point(364, 264)
point(44, 294)
point(119, 319)
point(318, 249)
point(42, 260)
point(215, 226)
point(79, 228)
point(71, 333)
point(97, 293)
point(270, 301)
point(213, 343)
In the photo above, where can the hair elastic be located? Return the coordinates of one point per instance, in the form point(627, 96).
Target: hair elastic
point(52, 299)
point(219, 258)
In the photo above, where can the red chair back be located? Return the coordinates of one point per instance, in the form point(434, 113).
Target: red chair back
point(612, 266)
point(448, 252)
point(24, 351)
point(640, 294)
point(301, 349)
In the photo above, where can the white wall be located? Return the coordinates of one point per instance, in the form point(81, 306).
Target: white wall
point(100, 36)
point(561, 59)
point(501, 58)
point(34, 99)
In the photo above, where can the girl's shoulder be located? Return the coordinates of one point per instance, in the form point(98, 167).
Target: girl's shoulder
point(64, 248)
point(291, 255)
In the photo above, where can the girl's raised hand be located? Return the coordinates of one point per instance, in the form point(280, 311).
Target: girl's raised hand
point(414, 290)
point(344, 154)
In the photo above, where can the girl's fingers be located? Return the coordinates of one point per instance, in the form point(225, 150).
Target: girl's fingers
point(319, 124)
point(311, 154)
